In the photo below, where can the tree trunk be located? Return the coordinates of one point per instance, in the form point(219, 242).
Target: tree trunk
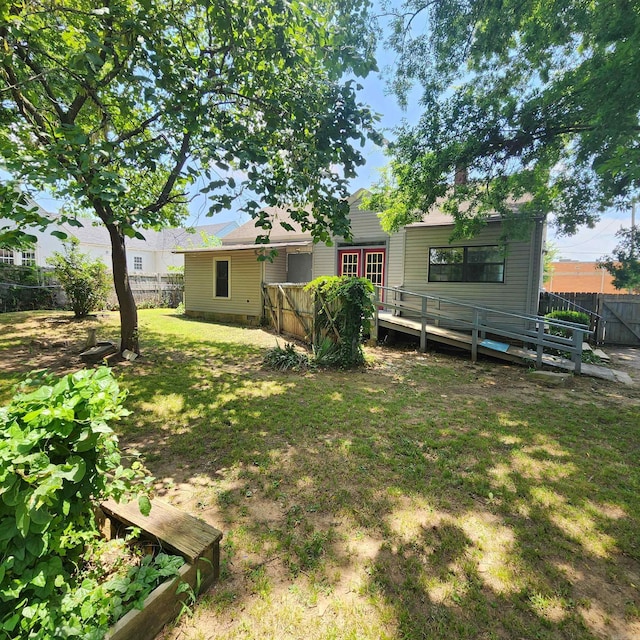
point(128, 309)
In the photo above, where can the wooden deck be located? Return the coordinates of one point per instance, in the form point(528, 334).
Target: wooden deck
point(449, 337)
point(513, 353)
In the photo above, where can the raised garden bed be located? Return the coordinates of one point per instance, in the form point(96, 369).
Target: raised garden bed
point(176, 532)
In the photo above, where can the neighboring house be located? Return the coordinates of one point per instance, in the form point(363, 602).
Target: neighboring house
point(153, 255)
point(225, 283)
point(572, 276)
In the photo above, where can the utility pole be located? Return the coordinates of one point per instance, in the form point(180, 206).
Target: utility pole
point(633, 226)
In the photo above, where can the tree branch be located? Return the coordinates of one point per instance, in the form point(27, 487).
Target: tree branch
point(165, 195)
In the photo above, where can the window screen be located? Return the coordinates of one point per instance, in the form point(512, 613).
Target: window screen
point(466, 264)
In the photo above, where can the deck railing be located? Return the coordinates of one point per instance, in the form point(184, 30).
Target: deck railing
point(538, 331)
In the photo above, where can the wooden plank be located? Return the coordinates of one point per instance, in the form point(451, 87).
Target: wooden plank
point(175, 529)
point(607, 307)
point(298, 315)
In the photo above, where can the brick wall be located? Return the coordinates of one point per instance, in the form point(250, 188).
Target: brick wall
point(580, 277)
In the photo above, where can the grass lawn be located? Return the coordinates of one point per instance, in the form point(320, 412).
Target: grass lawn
point(422, 497)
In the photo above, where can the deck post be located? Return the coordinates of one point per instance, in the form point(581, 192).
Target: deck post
point(376, 317)
point(483, 318)
point(577, 337)
point(423, 326)
point(474, 336)
point(539, 345)
point(397, 297)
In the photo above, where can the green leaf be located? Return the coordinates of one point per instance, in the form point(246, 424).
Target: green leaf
point(144, 504)
point(23, 519)
point(11, 623)
point(73, 470)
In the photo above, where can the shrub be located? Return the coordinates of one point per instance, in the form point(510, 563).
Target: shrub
point(58, 458)
point(326, 353)
point(577, 317)
point(343, 305)
point(285, 359)
point(85, 281)
point(27, 287)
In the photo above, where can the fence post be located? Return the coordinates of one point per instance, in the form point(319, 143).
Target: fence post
point(423, 329)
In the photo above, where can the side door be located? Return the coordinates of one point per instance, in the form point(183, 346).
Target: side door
point(363, 263)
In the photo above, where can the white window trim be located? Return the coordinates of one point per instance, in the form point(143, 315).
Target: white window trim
point(215, 279)
point(30, 256)
point(138, 259)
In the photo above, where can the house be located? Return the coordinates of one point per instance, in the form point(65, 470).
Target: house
point(573, 276)
point(153, 255)
point(225, 283)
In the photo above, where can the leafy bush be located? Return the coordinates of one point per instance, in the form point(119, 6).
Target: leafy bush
point(58, 458)
point(343, 305)
point(326, 353)
point(577, 317)
point(24, 287)
point(85, 281)
point(285, 359)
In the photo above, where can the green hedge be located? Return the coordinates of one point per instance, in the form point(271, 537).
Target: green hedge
point(577, 317)
point(27, 288)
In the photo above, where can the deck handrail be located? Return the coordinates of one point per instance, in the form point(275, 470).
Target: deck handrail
point(480, 326)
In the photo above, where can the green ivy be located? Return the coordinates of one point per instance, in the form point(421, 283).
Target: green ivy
point(58, 458)
point(343, 305)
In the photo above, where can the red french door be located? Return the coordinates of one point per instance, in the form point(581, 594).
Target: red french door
point(363, 263)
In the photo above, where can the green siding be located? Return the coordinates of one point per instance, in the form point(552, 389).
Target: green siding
point(245, 286)
point(519, 291)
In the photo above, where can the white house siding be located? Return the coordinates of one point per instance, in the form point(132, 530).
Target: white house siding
point(517, 294)
point(245, 302)
point(156, 250)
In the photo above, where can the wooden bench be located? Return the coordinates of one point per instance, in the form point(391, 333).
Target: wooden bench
point(176, 532)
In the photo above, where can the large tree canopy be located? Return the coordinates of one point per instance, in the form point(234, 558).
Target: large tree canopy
point(117, 106)
point(624, 262)
point(532, 97)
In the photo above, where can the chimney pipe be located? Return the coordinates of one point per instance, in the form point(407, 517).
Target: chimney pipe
point(461, 175)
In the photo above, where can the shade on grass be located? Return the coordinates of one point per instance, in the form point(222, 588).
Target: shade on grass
point(421, 497)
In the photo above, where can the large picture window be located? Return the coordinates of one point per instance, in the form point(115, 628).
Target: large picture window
point(466, 264)
point(221, 279)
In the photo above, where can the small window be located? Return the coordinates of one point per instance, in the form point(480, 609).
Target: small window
point(6, 256)
point(28, 258)
point(137, 263)
point(221, 276)
point(466, 264)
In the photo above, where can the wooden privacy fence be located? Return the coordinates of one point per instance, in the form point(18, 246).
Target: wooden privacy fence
point(293, 311)
point(615, 318)
point(156, 289)
point(289, 309)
